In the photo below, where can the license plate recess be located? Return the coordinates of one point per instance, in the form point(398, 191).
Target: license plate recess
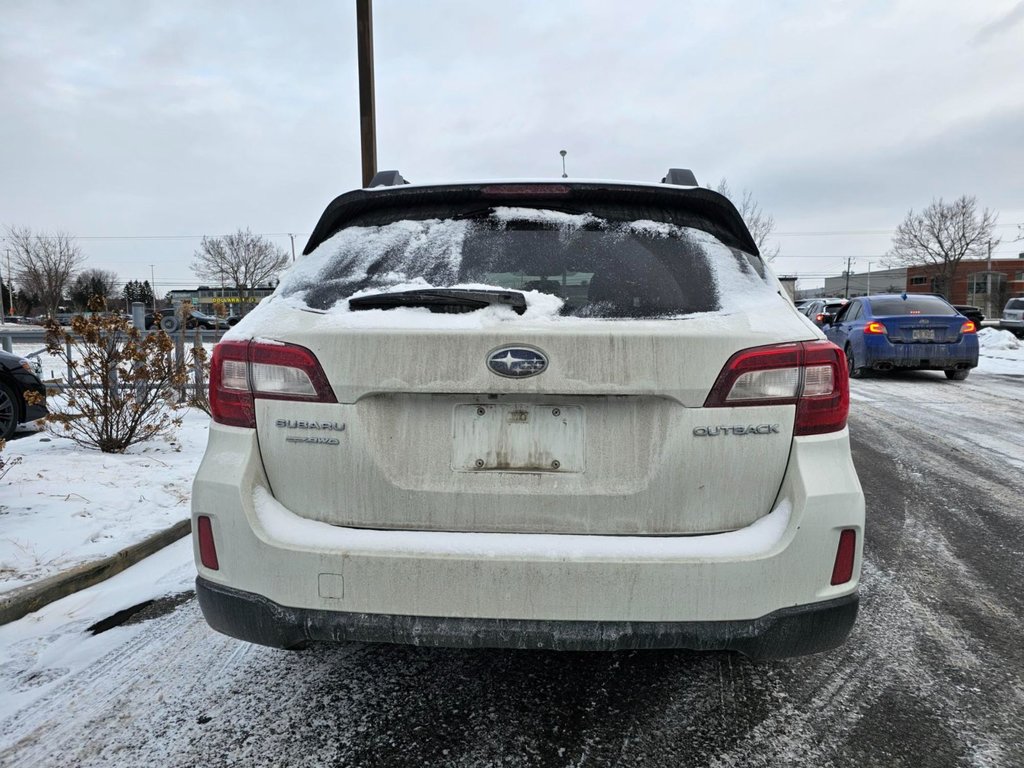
point(515, 437)
point(923, 334)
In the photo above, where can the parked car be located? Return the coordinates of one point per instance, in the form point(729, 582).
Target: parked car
point(1013, 316)
point(969, 311)
point(823, 310)
point(647, 448)
point(170, 321)
point(17, 377)
point(905, 331)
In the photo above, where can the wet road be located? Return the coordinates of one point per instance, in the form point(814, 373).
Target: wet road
point(933, 674)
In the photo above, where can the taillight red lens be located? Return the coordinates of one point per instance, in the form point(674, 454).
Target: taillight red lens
point(207, 549)
point(810, 374)
point(874, 327)
point(969, 327)
point(242, 371)
point(846, 552)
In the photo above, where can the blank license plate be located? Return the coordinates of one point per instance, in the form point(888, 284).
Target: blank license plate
point(923, 334)
point(518, 438)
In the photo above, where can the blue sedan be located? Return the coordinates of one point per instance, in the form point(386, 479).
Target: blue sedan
point(905, 331)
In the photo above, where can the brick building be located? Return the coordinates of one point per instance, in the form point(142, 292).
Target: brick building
point(972, 281)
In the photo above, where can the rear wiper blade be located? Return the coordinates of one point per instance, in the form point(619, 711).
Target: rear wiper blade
point(449, 300)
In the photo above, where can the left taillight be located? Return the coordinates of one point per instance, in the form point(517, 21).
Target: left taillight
point(811, 375)
point(242, 371)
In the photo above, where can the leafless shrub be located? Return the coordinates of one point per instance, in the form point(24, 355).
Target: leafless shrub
point(123, 386)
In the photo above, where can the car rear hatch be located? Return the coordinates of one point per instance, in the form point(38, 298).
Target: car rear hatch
point(912, 319)
point(640, 409)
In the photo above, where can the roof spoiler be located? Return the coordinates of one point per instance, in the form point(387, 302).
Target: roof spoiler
point(387, 179)
point(681, 177)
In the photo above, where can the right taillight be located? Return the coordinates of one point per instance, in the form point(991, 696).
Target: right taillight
point(241, 371)
point(969, 327)
point(811, 375)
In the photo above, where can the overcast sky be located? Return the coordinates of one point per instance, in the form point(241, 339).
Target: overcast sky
point(139, 126)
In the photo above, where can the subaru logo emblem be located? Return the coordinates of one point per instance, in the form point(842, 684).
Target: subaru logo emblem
point(517, 362)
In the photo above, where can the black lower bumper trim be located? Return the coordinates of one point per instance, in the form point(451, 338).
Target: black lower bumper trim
point(788, 632)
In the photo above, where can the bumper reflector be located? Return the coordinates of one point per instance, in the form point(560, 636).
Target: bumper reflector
point(207, 549)
point(842, 571)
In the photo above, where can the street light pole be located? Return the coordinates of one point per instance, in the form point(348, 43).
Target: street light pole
point(869, 278)
point(367, 111)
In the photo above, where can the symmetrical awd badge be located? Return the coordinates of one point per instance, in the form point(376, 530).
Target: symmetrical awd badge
point(517, 362)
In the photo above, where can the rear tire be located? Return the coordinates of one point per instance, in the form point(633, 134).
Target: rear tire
point(957, 375)
point(169, 323)
point(855, 372)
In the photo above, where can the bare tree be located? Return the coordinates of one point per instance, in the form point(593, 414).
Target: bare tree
point(44, 264)
point(943, 235)
point(93, 283)
point(242, 260)
point(760, 224)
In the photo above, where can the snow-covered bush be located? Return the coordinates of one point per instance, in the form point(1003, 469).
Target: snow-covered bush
point(123, 383)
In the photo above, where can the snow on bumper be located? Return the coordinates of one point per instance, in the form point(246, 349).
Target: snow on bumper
point(782, 561)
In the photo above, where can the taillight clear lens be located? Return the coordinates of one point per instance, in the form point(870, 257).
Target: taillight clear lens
point(281, 380)
point(760, 385)
point(235, 375)
point(818, 380)
point(242, 371)
point(811, 374)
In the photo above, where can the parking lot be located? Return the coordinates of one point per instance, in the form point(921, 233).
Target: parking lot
point(932, 675)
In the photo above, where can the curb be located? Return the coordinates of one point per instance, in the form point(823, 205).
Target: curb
point(24, 600)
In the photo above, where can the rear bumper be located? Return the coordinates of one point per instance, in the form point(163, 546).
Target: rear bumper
point(879, 350)
point(281, 578)
point(788, 632)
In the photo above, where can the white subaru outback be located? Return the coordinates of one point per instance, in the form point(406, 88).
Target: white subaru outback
point(564, 415)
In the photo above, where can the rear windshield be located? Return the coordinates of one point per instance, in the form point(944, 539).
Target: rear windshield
point(1015, 304)
point(599, 267)
point(911, 305)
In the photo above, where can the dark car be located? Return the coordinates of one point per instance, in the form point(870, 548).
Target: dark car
point(969, 311)
point(909, 331)
point(823, 310)
point(170, 322)
point(17, 377)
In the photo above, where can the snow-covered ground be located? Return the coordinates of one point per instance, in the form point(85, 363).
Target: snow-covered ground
point(65, 504)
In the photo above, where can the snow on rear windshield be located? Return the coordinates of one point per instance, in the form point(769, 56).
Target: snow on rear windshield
point(594, 266)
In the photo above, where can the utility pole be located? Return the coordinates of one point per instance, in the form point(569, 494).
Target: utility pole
point(152, 285)
point(846, 293)
point(988, 283)
point(5, 288)
point(367, 110)
point(293, 247)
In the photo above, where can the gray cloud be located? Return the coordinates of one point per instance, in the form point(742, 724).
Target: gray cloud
point(128, 118)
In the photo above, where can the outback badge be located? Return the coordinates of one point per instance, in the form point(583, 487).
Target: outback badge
point(517, 362)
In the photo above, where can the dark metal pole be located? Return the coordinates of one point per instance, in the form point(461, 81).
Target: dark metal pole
point(367, 110)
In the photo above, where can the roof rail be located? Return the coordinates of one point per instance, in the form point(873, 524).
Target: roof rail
point(682, 177)
point(387, 179)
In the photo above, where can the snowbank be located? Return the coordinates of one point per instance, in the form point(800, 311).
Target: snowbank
point(1000, 352)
